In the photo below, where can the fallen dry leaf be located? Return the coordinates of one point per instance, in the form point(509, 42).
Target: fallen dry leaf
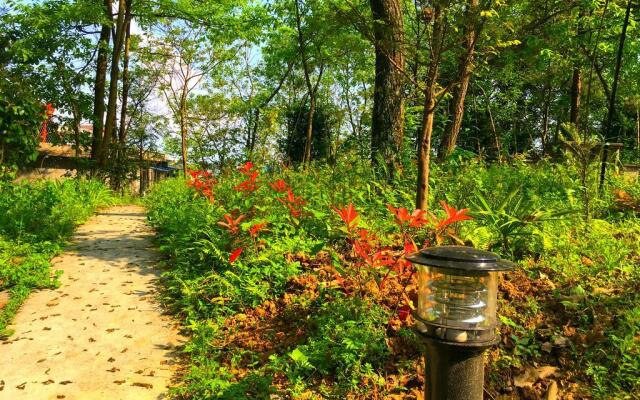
point(119, 382)
point(21, 386)
point(552, 392)
point(65, 382)
point(142, 384)
point(531, 375)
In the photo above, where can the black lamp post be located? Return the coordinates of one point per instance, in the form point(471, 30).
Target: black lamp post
point(456, 315)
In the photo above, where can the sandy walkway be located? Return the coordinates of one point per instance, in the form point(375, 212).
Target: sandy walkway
point(101, 335)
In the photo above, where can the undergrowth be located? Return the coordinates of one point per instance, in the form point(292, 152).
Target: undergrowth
point(291, 282)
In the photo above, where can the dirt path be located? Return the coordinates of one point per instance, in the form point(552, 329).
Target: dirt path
point(101, 335)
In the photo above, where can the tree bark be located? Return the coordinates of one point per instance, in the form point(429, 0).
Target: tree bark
point(387, 120)
point(612, 101)
point(100, 83)
point(426, 129)
point(309, 137)
point(110, 122)
point(576, 93)
point(183, 126)
point(465, 70)
point(122, 131)
point(312, 89)
point(616, 75)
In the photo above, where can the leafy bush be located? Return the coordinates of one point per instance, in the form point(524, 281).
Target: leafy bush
point(348, 343)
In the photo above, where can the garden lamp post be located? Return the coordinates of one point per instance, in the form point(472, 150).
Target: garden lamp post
point(456, 316)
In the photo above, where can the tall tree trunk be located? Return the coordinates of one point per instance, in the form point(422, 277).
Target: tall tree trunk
point(309, 136)
point(100, 83)
point(387, 120)
point(576, 78)
point(612, 101)
point(122, 131)
point(110, 122)
point(311, 89)
point(616, 75)
point(465, 70)
point(576, 92)
point(183, 126)
point(545, 116)
point(424, 152)
point(426, 129)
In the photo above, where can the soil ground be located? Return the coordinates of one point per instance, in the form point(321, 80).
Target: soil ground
point(101, 335)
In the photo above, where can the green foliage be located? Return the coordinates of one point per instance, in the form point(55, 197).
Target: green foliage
point(347, 344)
point(20, 119)
point(513, 218)
point(36, 219)
point(324, 130)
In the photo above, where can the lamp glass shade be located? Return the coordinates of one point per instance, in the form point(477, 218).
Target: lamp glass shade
point(461, 300)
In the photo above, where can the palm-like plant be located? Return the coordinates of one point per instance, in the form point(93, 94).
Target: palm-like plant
point(585, 150)
point(511, 216)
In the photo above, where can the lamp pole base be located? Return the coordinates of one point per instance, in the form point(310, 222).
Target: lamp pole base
point(454, 372)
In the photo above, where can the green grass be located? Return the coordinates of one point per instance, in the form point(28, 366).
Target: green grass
point(36, 220)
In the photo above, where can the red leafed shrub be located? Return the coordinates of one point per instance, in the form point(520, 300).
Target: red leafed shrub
point(294, 203)
point(203, 182)
point(279, 186)
point(349, 216)
point(256, 228)
point(235, 254)
point(231, 223)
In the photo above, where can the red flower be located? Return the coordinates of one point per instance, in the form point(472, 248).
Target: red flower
point(453, 215)
point(236, 253)
point(279, 186)
point(348, 215)
point(256, 228)
point(230, 223)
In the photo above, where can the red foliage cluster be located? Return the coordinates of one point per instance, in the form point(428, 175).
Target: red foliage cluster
point(453, 215)
point(294, 203)
point(48, 113)
point(416, 219)
point(363, 242)
point(250, 184)
point(203, 182)
point(280, 186)
point(349, 216)
point(231, 223)
point(255, 229)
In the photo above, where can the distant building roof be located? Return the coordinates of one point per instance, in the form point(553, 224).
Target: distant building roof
point(163, 169)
